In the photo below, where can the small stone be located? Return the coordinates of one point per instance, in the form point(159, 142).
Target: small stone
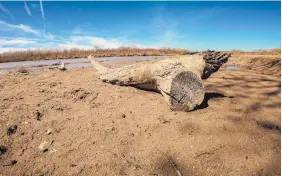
point(72, 165)
point(49, 131)
point(12, 129)
point(38, 115)
point(44, 146)
point(165, 121)
point(52, 150)
point(11, 163)
point(3, 149)
point(42, 90)
point(123, 115)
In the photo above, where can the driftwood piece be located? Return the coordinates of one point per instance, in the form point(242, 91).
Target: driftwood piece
point(179, 80)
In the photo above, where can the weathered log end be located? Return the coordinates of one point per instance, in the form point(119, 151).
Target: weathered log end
point(186, 93)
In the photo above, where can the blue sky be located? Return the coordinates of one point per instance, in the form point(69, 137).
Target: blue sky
point(190, 25)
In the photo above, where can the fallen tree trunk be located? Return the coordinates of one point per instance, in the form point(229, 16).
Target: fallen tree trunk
point(178, 80)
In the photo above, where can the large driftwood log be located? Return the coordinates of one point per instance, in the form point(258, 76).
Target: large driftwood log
point(177, 79)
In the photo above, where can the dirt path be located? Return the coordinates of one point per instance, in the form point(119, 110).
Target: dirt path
point(92, 128)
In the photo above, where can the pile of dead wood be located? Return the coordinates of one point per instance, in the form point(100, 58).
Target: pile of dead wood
point(178, 79)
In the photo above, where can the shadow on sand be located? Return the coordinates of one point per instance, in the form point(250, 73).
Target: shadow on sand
point(208, 96)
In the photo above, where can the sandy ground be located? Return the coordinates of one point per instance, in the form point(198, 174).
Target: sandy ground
point(88, 127)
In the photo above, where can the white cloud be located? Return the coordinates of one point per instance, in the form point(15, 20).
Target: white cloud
point(109, 43)
point(17, 45)
point(23, 44)
point(48, 41)
point(27, 29)
point(72, 45)
point(22, 27)
point(6, 11)
point(27, 9)
point(49, 36)
point(3, 50)
point(17, 41)
point(96, 41)
point(42, 10)
point(77, 31)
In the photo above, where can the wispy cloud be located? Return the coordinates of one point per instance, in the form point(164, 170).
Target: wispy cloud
point(18, 44)
point(6, 11)
point(72, 45)
point(27, 29)
point(11, 44)
point(77, 31)
point(27, 9)
point(42, 10)
point(17, 41)
point(12, 49)
point(84, 28)
point(97, 41)
point(165, 29)
point(77, 42)
point(172, 30)
point(49, 36)
point(22, 27)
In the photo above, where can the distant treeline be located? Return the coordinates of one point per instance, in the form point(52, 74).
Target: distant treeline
point(80, 53)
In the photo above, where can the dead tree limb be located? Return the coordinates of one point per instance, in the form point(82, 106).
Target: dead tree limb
point(179, 80)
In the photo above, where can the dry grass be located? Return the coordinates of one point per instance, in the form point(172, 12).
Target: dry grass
point(46, 54)
point(276, 51)
point(78, 53)
point(266, 62)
